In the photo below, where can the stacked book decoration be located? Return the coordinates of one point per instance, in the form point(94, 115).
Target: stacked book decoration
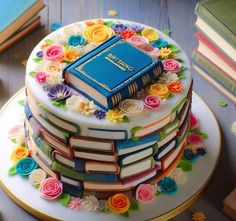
point(18, 18)
point(215, 56)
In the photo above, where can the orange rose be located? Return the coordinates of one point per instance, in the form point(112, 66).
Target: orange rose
point(70, 55)
point(89, 23)
point(119, 203)
point(159, 90)
point(175, 87)
point(97, 33)
point(19, 153)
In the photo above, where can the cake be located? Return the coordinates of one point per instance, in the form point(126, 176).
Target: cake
point(95, 154)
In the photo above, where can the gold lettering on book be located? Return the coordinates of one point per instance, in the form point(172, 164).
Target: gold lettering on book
point(118, 62)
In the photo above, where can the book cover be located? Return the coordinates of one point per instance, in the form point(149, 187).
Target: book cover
point(72, 190)
point(14, 15)
point(110, 73)
point(216, 38)
point(214, 48)
point(220, 15)
point(214, 83)
point(97, 177)
point(73, 182)
point(214, 72)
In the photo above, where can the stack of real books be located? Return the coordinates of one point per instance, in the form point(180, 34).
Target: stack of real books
point(17, 19)
point(215, 56)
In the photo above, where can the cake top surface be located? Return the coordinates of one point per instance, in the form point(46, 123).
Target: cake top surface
point(44, 80)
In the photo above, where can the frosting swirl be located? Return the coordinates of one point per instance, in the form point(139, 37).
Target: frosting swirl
point(132, 107)
point(145, 193)
point(37, 176)
point(97, 33)
point(150, 34)
point(118, 203)
point(51, 188)
point(25, 166)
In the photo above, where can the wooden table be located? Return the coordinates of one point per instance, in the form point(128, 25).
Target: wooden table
point(176, 15)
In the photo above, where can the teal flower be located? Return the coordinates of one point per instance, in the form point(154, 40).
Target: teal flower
point(25, 166)
point(76, 40)
point(168, 185)
point(159, 43)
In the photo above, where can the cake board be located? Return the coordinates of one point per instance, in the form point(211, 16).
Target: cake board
point(164, 207)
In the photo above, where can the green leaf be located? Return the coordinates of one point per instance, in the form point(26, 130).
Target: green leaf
point(125, 119)
point(48, 41)
point(223, 103)
point(167, 32)
point(158, 193)
point(38, 59)
point(64, 199)
point(56, 103)
point(134, 205)
point(133, 138)
point(185, 165)
point(32, 73)
point(37, 186)
point(181, 75)
point(135, 129)
point(13, 140)
point(63, 105)
point(179, 60)
point(126, 214)
point(66, 134)
point(109, 23)
point(200, 133)
point(42, 106)
point(21, 102)
point(173, 48)
point(183, 68)
point(12, 171)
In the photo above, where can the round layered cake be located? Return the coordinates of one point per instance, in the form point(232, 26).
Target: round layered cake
point(108, 108)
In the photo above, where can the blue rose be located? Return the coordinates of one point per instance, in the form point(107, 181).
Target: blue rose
point(189, 155)
point(168, 185)
point(75, 40)
point(25, 166)
point(159, 43)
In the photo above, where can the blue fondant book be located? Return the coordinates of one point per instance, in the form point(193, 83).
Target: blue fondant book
point(112, 72)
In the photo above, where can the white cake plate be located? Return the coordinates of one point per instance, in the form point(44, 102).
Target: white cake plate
point(163, 207)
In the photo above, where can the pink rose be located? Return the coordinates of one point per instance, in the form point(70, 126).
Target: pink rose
point(51, 188)
point(193, 121)
point(171, 65)
point(196, 140)
point(41, 77)
point(145, 193)
point(53, 53)
point(152, 102)
point(138, 41)
point(153, 52)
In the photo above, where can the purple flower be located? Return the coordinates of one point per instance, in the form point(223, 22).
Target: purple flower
point(100, 114)
point(137, 28)
point(59, 92)
point(39, 54)
point(201, 151)
point(118, 28)
point(189, 155)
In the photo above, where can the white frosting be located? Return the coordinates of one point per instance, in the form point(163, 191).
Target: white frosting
point(87, 122)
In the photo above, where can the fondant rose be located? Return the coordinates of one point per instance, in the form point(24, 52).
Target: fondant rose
point(193, 121)
point(25, 166)
point(152, 102)
point(118, 203)
point(132, 107)
point(41, 77)
point(14, 131)
point(171, 65)
point(70, 54)
point(53, 53)
point(165, 52)
point(150, 34)
point(37, 176)
point(20, 137)
point(145, 193)
point(138, 41)
point(127, 33)
point(159, 43)
point(196, 140)
point(51, 188)
point(179, 176)
point(168, 185)
point(168, 77)
point(53, 66)
point(75, 40)
point(97, 33)
point(159, 90)
point(19, 153)
point(175, 86)
point(154, 53)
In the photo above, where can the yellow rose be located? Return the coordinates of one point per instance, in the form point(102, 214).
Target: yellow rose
point(159, 90)
point(150, 34)
point(71, 54)
point(166, 53)
point(97, 33)
point(19, 153)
